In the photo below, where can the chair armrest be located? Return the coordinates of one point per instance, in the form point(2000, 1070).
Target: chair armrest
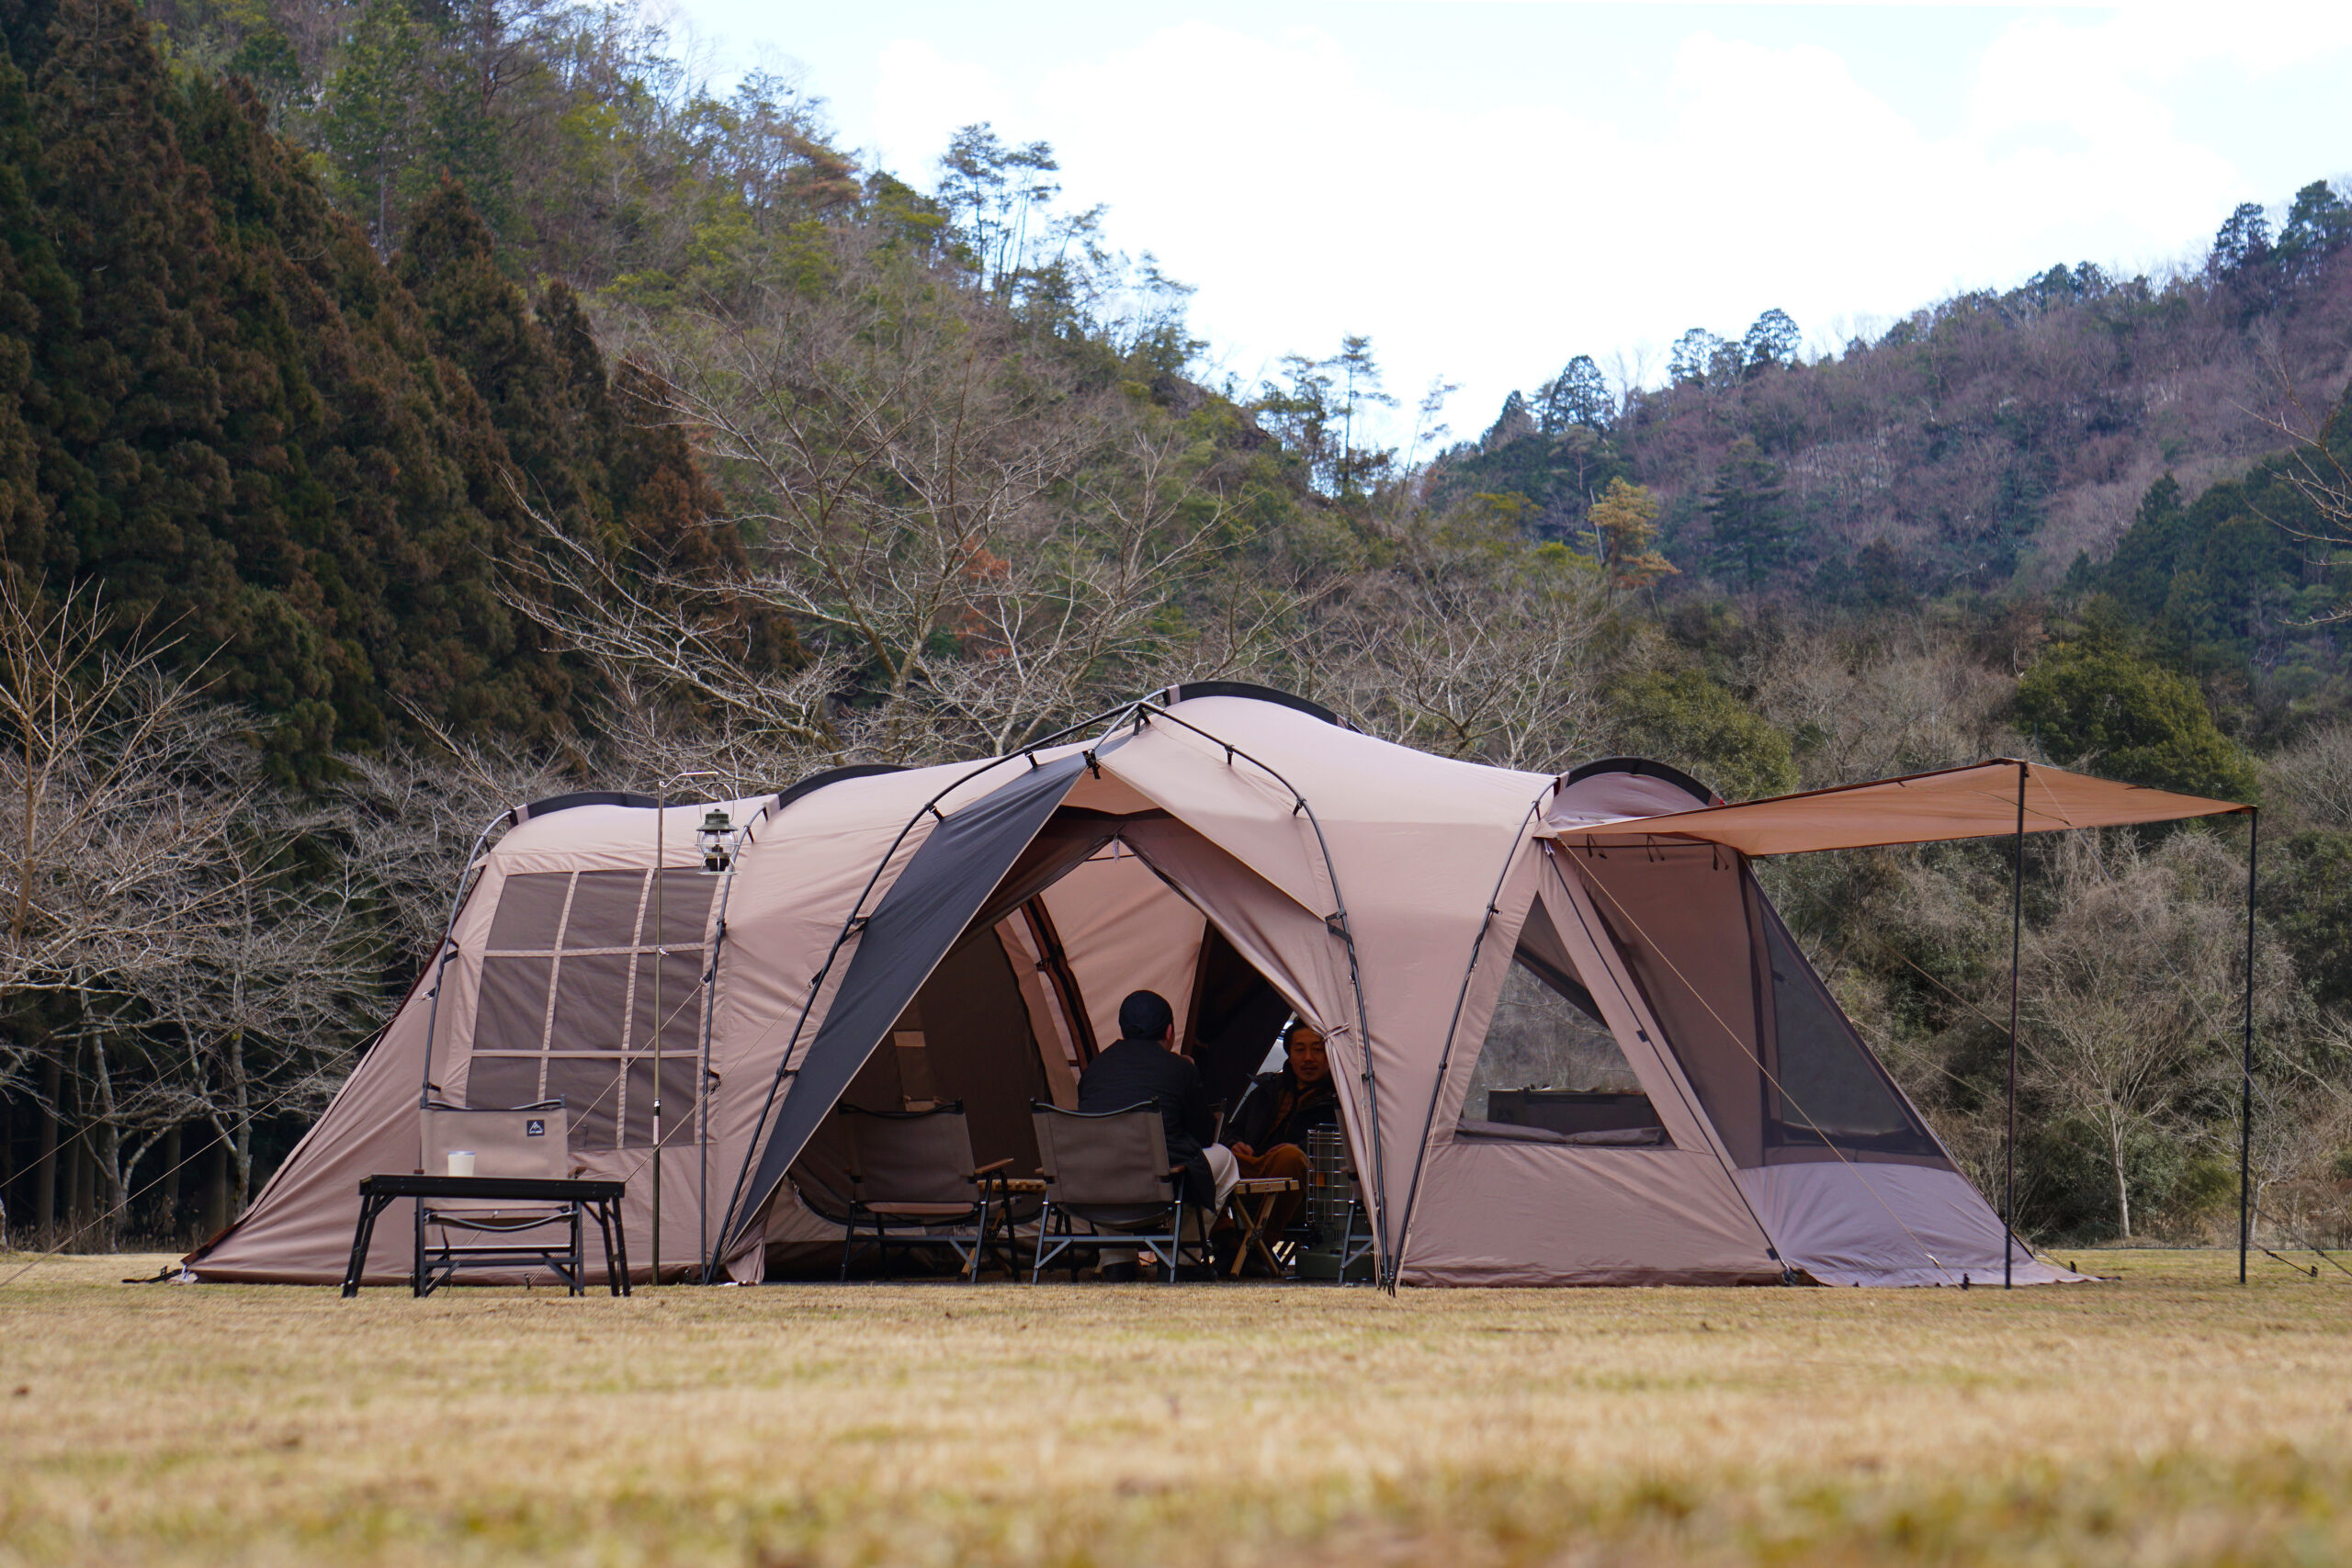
point(993, 1167)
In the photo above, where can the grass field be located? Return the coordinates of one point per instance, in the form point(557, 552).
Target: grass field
point(2169, 1417)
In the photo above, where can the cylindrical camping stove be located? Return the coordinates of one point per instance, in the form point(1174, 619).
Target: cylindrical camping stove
point(1342, 1237)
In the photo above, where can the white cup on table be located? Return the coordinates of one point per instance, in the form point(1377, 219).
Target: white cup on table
point(462, 1162)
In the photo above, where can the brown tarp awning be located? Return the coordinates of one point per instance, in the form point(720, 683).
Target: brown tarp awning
point(1975, 802)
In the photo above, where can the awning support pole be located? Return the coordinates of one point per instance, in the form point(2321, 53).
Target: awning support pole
point(660, 962)
point(2245, 1076)
point(2009, 1143)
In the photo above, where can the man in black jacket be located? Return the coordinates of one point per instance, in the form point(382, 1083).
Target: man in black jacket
point(1280, 1113)
point(1145, 1068)
point(1281, 1107)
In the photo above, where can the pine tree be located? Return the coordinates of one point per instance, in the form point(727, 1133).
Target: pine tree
point(376, 123)
point(1577, 395)
point(1624, 525)
point(480, 319)
point(1744, 513)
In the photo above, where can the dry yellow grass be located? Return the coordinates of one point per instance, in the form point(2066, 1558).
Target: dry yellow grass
point(2169, 1418)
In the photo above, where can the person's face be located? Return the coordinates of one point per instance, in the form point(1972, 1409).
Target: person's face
point(1308, 1061)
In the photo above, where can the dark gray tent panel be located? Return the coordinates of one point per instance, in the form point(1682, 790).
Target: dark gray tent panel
point(921, 917)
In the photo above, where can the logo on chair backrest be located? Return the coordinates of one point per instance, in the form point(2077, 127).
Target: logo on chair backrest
point(535, 1128)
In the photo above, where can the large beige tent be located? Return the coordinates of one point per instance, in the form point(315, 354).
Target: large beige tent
point(1576, 1044)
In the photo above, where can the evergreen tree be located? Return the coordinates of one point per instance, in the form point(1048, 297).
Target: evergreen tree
point(2319, 224)
point(1773, 340)
point(1577, 395)
point(1511, 424)
point(378, 121)
point(2243, 240)
point(1697, 353)
point(1746, 521)
point(481, 320)
point(1682, 718)
point(2096, 702)
point(666, 515)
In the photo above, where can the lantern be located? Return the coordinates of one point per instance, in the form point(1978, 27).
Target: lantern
point(713, 836)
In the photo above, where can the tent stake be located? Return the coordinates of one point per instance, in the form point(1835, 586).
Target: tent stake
point(2245, 1076)
point(2009, 1143)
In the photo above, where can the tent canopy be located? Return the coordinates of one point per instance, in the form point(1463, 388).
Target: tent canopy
point(1975, 802)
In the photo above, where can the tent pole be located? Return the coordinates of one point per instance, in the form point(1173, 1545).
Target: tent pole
point(2009, 1143)
point(661, 932)
point(2245, 1076)
point(701, 1067)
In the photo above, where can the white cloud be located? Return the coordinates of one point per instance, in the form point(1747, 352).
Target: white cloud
point(922, 98)
point(1309, 189)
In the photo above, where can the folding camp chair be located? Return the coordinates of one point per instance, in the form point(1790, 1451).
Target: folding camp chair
point(913, 1183)
point(524, 1142)
point(1111, 1169)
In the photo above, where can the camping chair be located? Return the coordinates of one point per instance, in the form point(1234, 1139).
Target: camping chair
point(1111, 1169)
point(913, 1183)
point(524, 1142)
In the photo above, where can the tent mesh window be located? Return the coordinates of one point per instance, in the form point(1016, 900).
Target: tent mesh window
point(568, 999)
point(1549, 1070)
point(1825, 1088)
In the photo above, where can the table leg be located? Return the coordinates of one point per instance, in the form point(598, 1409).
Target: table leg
point(1250, 1225)
point(362, 1238)
point(612, 1264)
point(416, 1286)
point(620, 1249)
point(1258, 1233)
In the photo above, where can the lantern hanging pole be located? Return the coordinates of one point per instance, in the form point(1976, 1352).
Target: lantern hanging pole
point(718, 852)
point(2245, 1074)
point(660, 957)
point(2009, 1141)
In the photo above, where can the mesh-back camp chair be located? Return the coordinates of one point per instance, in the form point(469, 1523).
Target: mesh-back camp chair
point(525, 1142)
point(913, 1183)
point(1110, 1168)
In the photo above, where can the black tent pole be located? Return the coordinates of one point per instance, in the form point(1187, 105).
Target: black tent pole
point(2009, 1144)
point(2245, 1077)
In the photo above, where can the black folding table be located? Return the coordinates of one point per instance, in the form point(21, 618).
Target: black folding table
point(568, 1261)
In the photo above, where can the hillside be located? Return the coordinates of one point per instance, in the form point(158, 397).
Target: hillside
point(1980, 444)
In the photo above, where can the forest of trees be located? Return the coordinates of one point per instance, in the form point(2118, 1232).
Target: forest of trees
point(407, 409)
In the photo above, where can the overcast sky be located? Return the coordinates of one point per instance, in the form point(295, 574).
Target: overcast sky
point(1487, 189)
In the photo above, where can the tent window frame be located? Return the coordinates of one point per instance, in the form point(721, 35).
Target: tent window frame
point(607, 1121)
point(1794, 1141)
point(1570, 990)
